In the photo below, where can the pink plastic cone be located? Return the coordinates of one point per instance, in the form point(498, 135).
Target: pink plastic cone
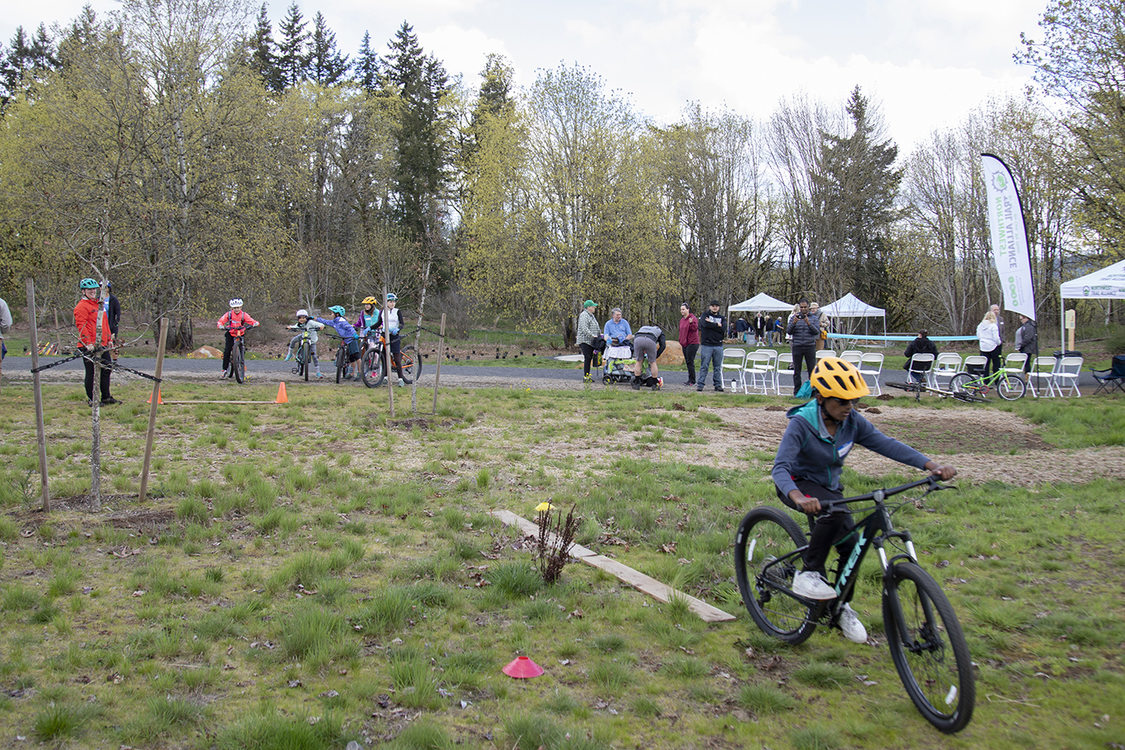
point(522, 667)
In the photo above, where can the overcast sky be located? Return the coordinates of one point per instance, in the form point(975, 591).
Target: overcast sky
point(926, 63)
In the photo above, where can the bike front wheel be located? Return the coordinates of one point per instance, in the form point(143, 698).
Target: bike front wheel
point(238, 363)
point(764, 536)
point(303, 360)
point(928, 647)
point(372, 372)
point(411, 364)
point(1011, 388)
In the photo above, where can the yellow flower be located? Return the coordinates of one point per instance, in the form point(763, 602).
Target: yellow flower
point(544, 507)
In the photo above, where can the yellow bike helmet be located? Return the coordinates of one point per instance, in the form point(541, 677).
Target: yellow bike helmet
point(838, 378)
point(369, 300)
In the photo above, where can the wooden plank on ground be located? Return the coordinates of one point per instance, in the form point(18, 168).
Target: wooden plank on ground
point(217, 402)
point(636, 579)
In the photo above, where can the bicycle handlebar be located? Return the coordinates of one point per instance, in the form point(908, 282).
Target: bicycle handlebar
point(931, 481)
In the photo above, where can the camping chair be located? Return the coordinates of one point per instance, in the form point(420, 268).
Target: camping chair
point(871, 366)
point(919, 373)
point(1066, 375)
point(757, 373)
point(733, 362)
point(946, 365)
point(784, 366)
point(1042, 368)
point(1112, 379)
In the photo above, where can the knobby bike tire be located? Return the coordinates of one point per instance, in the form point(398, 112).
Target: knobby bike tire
point(1010, 387)
point(965, 383)
point(303, 359)
point(764, 535)
point(928, 647)
point(372, 372)
point(238, 363)
point(969, 398)
point(410, 363)
point(341, 363)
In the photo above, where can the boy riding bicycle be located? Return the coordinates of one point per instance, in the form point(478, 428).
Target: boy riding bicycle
point(305, 324)
point(810, 459)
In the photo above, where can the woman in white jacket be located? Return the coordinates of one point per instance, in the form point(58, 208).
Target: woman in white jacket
point(989, 334)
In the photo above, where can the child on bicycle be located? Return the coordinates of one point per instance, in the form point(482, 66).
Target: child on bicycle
point(394, 321)
point(810, 459)
point(234, 324)
point(368, 319)
point(346, 332)
point(304, 323)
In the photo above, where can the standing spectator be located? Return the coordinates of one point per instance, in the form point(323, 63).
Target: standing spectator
point(995, 310)
point(711, 328)
point(822, 339)
point(617, 328)
point(1027, 340)
point(741, 327)
point(759, 329)
point(86, 314)
point(778, 331)
point(689, 340)
point(589, 334)
point(804, 328)
point(113, 310)
point(920, 345)
point(989, 336)
point(5, 324)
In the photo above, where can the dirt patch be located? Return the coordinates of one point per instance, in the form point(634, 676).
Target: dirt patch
point(145, 521)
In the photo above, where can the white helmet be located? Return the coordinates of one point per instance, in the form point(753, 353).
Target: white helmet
point(303, 313)
point(236, 302)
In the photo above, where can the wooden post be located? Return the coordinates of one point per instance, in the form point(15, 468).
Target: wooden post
point(387, 353)
point(440, 354)
point(38, 397)
point(152, 409)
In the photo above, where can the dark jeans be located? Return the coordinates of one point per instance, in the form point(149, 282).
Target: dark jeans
point(713, 356)
point(995, 361)
point(396, 360)
point(228, 345)
point(689, 360)
point(825, 528)
point(103, 381)
point(807, 355)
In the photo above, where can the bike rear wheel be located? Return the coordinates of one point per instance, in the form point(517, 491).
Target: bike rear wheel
point(1010, 387)
point(372, 368)
point(764, 535)
point(238, 362)
point(928, 647)
point(967, 384)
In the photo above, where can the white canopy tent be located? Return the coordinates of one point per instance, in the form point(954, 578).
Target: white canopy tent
point(1106, 283)
point(760, 302)
point(851, 306)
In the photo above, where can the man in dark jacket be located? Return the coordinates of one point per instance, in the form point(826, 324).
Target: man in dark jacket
point(1027, 340)
point(712, 326)
point(804, 327)
point(920, 345)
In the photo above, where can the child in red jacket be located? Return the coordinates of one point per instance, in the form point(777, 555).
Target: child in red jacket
point(86, 314)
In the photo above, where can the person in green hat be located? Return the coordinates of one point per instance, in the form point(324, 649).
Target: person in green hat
point(589, 336)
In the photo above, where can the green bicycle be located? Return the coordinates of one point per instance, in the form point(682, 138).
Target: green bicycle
point(1008, 386)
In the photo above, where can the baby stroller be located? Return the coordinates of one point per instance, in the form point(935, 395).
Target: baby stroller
point(619, 363)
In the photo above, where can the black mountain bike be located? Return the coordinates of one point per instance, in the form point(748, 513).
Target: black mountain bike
point(922, 631)
point(237, 368)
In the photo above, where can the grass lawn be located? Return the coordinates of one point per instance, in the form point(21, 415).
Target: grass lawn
point(315, 573)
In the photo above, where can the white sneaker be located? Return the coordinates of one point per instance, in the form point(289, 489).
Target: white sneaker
point(810, 585)
point(852, 627)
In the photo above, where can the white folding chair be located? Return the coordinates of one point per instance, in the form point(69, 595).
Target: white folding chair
point(852, 355)
point(1042, 369)
point(783, 368)
point(1014, 363)
point(757, 373)
point(1066, 375)
point(974, 363)
point(871, 366)
point(946, 365)
point(822, 353)
point(732, 364)
point(916, 371)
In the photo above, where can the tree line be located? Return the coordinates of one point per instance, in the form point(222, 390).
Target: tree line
point(188, 153)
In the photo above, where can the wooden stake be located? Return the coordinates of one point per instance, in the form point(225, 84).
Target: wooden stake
point(440, 354)
point(387, 352)
point(152, 409)
point(38, 397)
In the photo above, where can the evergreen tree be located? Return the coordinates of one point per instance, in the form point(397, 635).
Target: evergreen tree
point(293, 57)
point(420, 82)
point(27, 58)
point(366, 66)
point(326, 64)
point(263, 59)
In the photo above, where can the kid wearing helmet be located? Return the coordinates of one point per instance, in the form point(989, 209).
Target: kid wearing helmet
point(345, 330)
point(810, 459)
point(394, 318)
point(368, 317)
point(234, 325)
point(86, 314)
point(312, 326)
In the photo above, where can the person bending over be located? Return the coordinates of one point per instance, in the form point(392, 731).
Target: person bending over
point(810, 459)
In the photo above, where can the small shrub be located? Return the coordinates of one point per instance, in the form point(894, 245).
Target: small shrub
point(552, 544)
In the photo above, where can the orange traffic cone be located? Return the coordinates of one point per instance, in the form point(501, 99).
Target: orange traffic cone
point(282, 396)
point(159, 400)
